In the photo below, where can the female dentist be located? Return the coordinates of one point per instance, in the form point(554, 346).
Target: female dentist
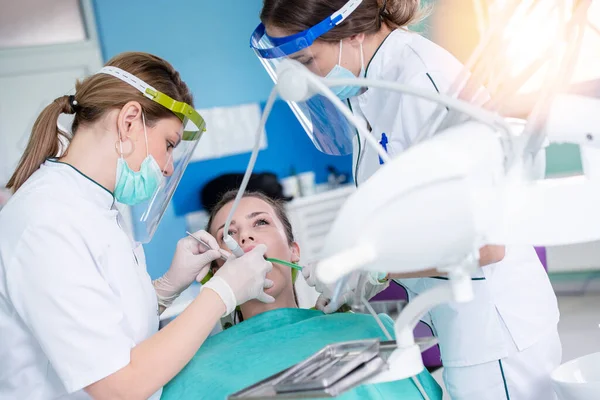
point(503, 344)
point(78, 311)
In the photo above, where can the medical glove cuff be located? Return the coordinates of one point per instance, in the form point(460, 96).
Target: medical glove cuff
point(165, 297)
point(222, 288)
point(377, 278)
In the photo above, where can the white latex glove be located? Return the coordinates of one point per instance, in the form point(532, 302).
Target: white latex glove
point(373, 286)
point(242, 279)
point(191, 262)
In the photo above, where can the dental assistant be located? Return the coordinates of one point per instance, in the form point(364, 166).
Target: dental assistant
point(502, 345)
point(79, 313)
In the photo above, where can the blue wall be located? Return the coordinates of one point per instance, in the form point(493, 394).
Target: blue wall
point(207, 42)
point(288, 147)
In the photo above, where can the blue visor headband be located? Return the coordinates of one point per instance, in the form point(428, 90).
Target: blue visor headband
point(284, 46)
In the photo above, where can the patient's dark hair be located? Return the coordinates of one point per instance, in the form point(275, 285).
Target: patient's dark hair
point(278, 207)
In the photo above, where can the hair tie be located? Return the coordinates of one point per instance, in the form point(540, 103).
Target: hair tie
point(382, 11)
point(74, 104)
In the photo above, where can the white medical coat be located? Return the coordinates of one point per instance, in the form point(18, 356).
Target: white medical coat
point(516, 291)
point(75, 296)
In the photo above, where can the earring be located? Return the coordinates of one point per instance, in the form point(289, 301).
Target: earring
point(120, 144)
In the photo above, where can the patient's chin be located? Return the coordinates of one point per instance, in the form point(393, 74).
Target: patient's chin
point(278, 278)
point(272, 290)
point(276, 286)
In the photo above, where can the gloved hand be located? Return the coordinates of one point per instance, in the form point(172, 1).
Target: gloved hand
point(191, 262)
point(242, 279)
point(375, 284)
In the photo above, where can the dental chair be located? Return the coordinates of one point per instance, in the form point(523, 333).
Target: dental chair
point(541, 253)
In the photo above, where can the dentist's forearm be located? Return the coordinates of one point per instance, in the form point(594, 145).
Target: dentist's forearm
point(491, 254)
point(155, 361)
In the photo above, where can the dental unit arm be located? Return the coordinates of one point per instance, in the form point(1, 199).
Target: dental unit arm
point(230, 242)
point(478, 191)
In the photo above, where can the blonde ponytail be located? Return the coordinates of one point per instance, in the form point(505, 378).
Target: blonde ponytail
point(44, 142)
point(94, 97)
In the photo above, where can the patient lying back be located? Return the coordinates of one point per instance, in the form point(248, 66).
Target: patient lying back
point(268, 338)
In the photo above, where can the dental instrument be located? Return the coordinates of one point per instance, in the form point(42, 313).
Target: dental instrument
point(224, 255)
point(282, 262)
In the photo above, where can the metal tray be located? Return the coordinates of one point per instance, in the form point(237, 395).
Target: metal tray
point(328, 366)
point(332, 371)
point(278, 386)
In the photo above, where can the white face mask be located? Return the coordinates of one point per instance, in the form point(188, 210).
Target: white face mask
point(339, 72)
point(133, 188)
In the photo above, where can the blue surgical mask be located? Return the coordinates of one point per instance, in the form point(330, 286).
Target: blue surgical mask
point(339, 72)
point(132, 187)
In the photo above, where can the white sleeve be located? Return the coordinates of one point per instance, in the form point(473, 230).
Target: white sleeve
point(56, 287)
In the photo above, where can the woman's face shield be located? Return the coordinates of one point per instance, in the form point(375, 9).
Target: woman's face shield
point(147, 215)
point(328, 129)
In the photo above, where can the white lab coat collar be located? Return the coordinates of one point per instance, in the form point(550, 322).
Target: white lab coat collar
point(376, 64)
point(90, 190)
point(392, 40)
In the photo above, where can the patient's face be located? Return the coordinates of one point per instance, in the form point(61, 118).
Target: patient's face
point(255, 222)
